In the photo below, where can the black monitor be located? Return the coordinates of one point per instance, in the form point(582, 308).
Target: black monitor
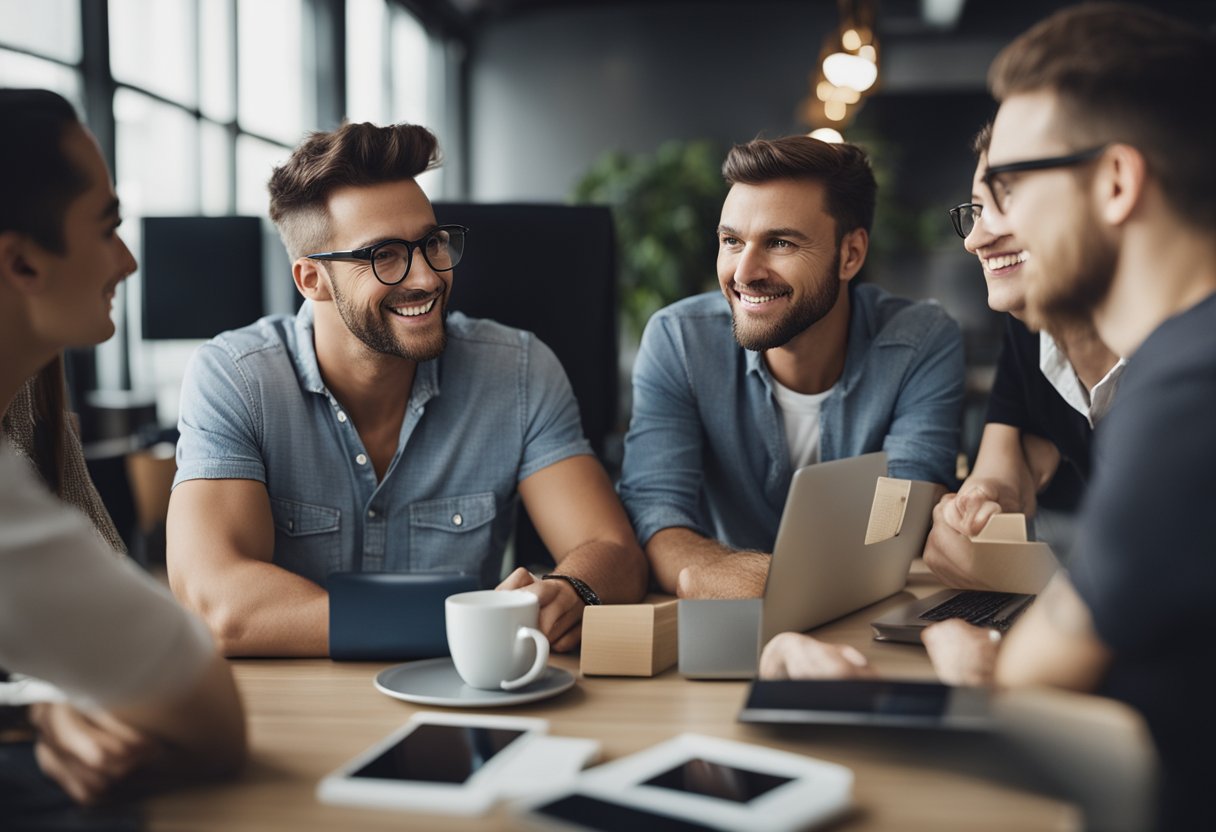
point(201, 275)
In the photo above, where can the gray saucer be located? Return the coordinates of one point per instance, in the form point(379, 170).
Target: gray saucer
point(435, 682)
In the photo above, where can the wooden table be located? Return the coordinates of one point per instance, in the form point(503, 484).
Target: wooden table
point(309, 716)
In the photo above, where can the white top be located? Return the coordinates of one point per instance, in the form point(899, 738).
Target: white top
point(72, 614)
point(1092, 404)
point(800, 412)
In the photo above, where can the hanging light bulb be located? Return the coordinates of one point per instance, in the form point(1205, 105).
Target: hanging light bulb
point(847, 70)
point(827, 134)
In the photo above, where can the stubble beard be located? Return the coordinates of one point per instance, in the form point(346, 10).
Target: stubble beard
point(1062, 296)
point(377, 335)
point(801, 317)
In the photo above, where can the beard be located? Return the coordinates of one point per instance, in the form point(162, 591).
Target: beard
point(760, 336)
point(377, 334)
point(1065, 293)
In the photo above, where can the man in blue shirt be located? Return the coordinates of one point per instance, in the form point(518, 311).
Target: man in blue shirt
point(374, 432)
point(791, 364)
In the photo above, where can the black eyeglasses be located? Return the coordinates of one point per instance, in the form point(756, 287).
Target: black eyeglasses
point(442, 248)
point(965, 217)
point(1000, 189)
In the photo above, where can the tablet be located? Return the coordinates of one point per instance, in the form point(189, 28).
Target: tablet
point(868, 702)
point(694, 782)
point(448, 763)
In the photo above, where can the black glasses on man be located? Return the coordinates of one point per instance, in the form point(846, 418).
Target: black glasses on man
point(441, 247)
point(998, 178)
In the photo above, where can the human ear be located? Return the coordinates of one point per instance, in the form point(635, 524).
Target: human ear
point(1119, 183)
point(853, 248)
point(311, 279)
point(19, 262)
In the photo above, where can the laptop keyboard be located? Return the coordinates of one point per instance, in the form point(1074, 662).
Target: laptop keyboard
point(996, 610)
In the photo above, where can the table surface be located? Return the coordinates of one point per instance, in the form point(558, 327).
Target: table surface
point(307, 717)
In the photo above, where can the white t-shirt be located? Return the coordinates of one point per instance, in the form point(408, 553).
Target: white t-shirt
point(73, 615)
point(800, 412)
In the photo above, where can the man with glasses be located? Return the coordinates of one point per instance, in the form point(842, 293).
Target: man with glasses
point(1050, 391)
point(1101, 164)
point(791, 363)
point(374, 431)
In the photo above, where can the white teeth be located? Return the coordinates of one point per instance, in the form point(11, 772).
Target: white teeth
point(414, 311)
point(1005, 261)
point(756, 300)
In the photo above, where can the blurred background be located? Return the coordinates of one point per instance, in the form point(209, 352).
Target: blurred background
point(625, 103)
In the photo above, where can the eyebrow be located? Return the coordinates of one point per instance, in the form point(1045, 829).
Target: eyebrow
point(377, 240)
point(772, 232)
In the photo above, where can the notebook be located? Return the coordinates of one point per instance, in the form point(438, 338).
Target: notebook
point(822, 567)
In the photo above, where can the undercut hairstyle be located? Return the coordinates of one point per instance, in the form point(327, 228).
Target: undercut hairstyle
point(352, 155)
point(39, 179)
point(1130, 75)
point(843, 169)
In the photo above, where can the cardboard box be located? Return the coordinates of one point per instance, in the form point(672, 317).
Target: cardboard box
point(630, 639)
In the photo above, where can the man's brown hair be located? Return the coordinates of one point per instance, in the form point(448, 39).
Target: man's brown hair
point(844, 170)
point(354, 154)
point(1127, 74)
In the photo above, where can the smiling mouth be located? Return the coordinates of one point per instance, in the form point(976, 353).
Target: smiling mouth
point(415, 310)
point(1002, 262)
point(759, 300)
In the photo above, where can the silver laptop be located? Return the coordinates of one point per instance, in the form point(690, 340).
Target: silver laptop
point(821, 568)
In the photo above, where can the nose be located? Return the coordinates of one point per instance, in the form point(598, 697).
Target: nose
point(421, 275)
point(126, 259)
point(750, 265)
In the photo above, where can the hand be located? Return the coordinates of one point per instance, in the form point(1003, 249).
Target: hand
point(736, 575)
point(962, 654)
point(561, 610)
point(949, 552)
point(87, 754)
point(977, 501)
point(797, 656)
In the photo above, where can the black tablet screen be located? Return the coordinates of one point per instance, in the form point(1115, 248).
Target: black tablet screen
point(439, 754)
point(716, 780)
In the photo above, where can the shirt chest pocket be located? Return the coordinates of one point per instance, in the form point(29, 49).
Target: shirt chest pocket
point(451, 534)
point(307, 538)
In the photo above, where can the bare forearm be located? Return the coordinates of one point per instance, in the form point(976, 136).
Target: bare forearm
point(692, 566)
point(1054, 644)
point(616, 572)
point(255, 608)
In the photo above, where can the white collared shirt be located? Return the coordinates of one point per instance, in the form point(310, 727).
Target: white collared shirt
point(1092, 404)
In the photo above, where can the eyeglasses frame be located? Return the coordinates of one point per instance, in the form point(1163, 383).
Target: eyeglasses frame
point(1046, 163)
point(367, 253)
point(956, 215)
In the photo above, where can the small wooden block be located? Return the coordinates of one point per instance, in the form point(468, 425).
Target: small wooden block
point(630, 639)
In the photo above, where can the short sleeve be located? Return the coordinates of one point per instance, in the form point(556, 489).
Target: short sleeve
point(74, 615)
point(552, 427)
point(1007, 401)
point(219, 423)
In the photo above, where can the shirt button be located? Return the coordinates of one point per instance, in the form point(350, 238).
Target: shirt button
point(341, 416)
point(457, 520)
point(361, 459)
point(371, 512)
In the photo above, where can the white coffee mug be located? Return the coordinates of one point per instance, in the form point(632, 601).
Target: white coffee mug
point(493, 638)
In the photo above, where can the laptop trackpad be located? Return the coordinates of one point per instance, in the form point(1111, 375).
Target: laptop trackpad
point(719, 639)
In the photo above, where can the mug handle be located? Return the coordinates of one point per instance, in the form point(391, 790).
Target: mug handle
point(538, 666)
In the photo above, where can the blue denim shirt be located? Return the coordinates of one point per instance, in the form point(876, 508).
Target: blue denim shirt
point(706, 448)
point(493, 409)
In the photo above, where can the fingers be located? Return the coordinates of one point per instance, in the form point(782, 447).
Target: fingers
point(961, 653)
point(87, 754)
point(796, 656)
point(560, 611)
point(518, 579)
point(570, 640)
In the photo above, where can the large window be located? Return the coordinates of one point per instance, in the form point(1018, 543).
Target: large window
point(206, 97)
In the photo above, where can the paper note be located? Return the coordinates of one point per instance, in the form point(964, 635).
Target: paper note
point(887, 510)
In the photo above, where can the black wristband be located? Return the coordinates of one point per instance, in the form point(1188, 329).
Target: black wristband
point(584, 592)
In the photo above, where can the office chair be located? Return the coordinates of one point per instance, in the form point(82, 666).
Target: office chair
point(549, 269)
